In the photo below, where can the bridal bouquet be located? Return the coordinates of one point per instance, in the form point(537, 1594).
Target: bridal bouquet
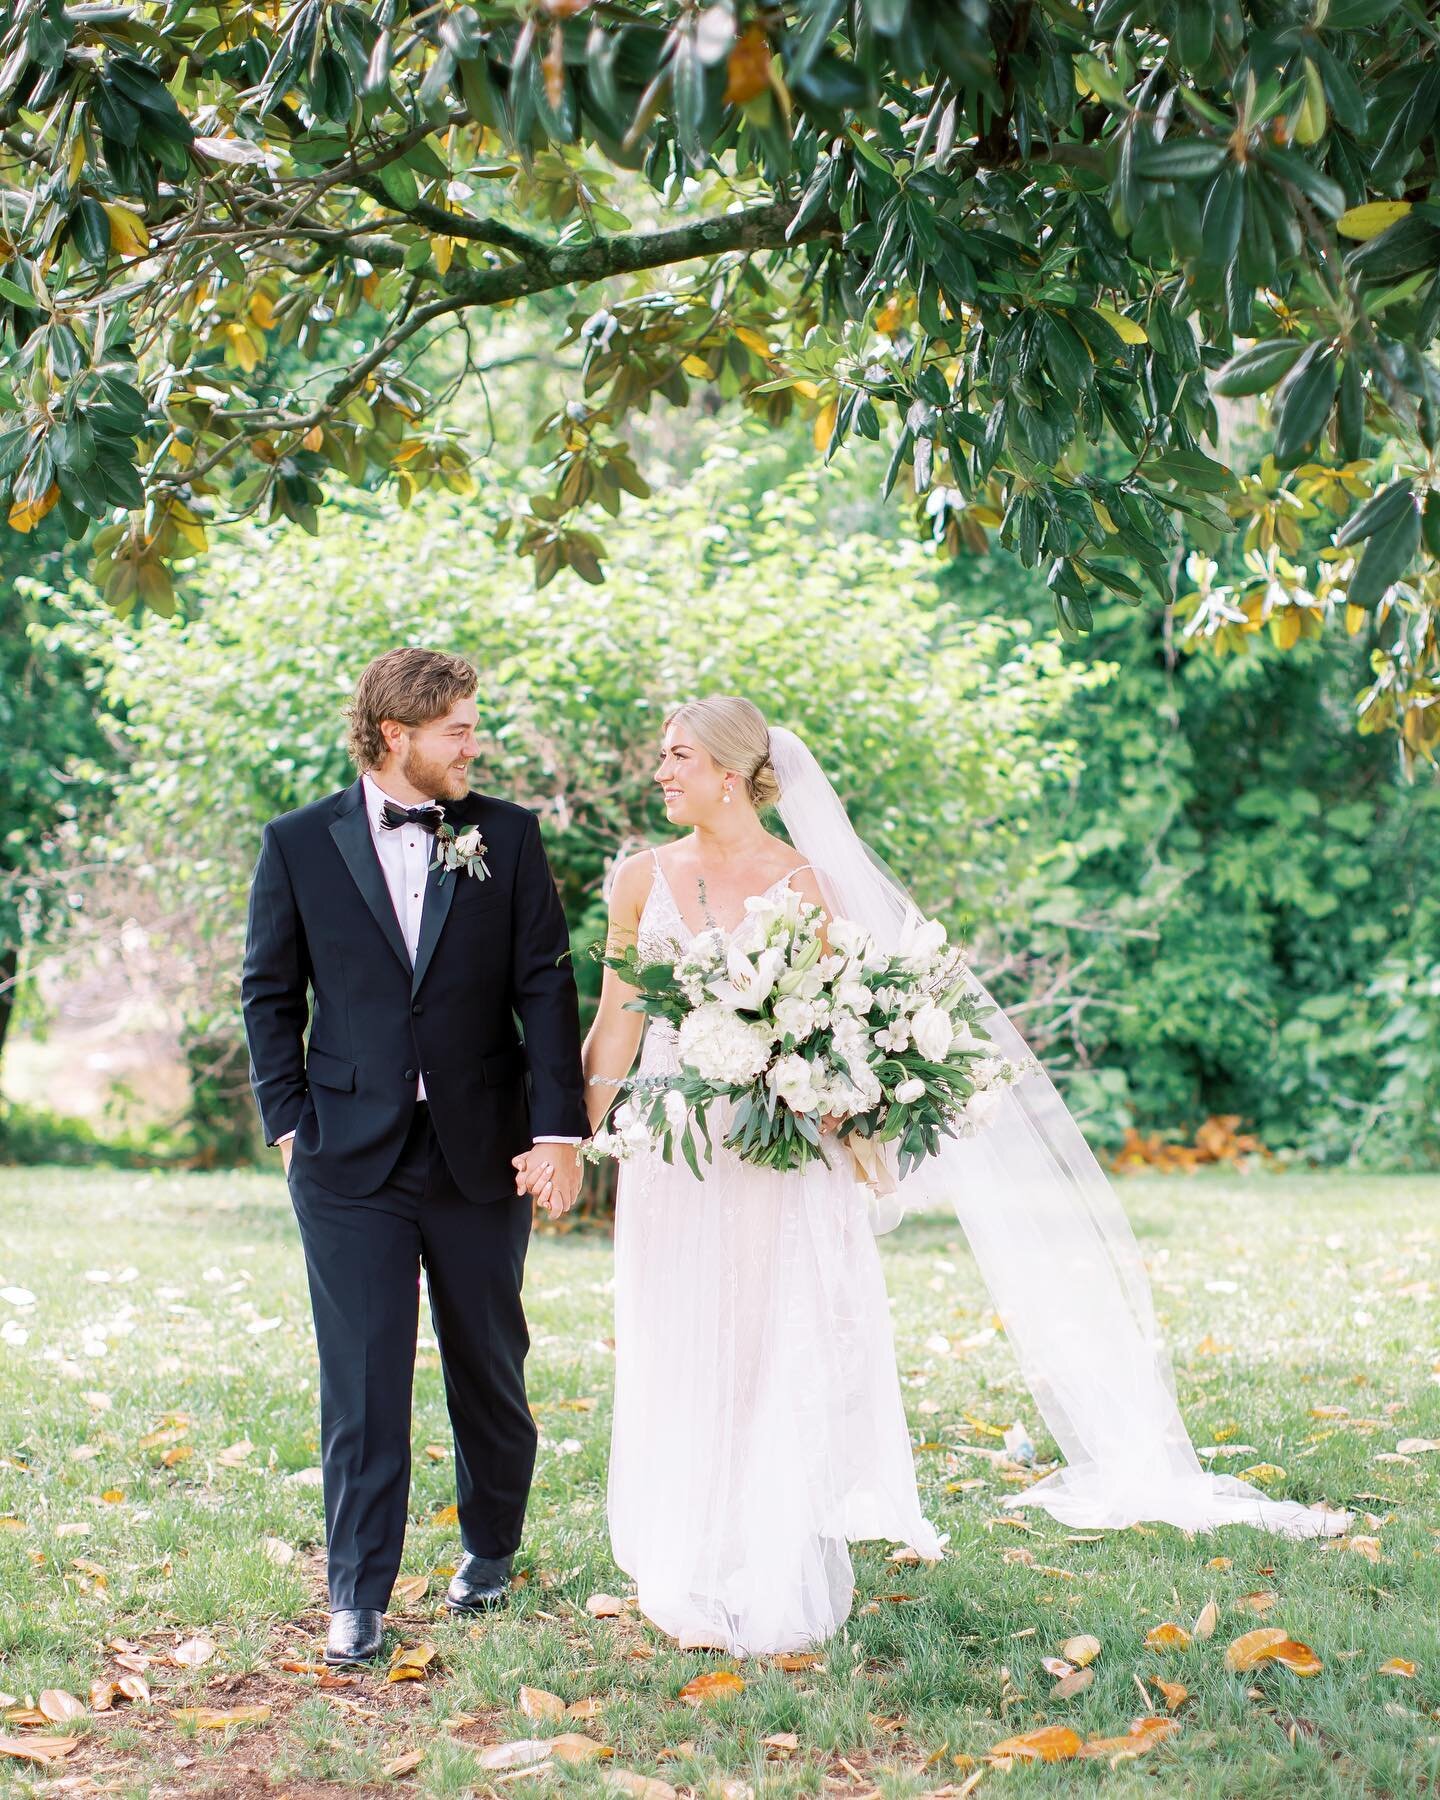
point(792, 1035)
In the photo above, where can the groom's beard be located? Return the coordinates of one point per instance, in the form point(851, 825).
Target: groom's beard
point(440, 780)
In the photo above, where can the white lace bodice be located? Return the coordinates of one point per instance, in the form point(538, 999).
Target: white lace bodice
point(661, 934)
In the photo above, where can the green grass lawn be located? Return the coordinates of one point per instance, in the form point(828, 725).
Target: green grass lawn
point(158, 1456)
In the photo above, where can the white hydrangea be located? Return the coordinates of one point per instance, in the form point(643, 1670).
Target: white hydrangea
point(677, 1113)
point(722, 1047)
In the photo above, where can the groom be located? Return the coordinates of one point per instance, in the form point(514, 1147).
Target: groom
point(414, 1113)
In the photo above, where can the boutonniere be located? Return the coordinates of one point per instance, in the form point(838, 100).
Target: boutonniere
point(460, 850)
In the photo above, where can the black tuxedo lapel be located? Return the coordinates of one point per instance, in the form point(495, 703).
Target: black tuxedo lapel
point(440, 887)
point(351, 831)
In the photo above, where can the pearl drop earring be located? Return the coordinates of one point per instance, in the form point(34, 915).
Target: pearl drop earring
point(727, 797)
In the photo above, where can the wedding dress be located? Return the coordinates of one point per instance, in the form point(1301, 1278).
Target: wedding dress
point(758, 1422)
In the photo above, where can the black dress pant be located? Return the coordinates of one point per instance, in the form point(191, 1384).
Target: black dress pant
point(364, 1258)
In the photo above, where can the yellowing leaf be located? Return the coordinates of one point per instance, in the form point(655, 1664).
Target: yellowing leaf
point(411, 1587)
point(1208, 1617)
point(752, 340)
point(1175, 1693)
point(1398, 1665)
point(1365, 222)
point(604, 1606)
point(719, 1684)
point(793, 1661)
point(1264, 1601)
point(1072, 1684)
point(824, 424)
point(1168, 1636)
point(410, 1662)
point(447, 1515)
point(1125, 329)
point(1047, 1743)
point(25, 515)
point(129, 235)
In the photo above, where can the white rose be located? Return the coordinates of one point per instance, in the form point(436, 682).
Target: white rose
point(911, 1089)
point(982, 1106)
point(468, 842)
point(794, 1081)
point(853, 995)
point(921, 941)
point(848, 938)
point(676, 1111)
point(933, 1032)
point(795, 1017)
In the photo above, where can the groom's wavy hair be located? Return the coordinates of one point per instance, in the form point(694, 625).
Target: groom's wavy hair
point(734, 732)
point(409, 685)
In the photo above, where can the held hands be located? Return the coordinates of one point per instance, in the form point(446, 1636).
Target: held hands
point(551, 1173)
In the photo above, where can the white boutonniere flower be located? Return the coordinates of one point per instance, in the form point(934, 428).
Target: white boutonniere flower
point(460, 850)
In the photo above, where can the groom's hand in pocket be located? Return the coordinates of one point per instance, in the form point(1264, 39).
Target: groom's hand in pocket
point(551, 1173)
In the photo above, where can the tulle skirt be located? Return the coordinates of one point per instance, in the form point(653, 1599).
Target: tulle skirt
point(758, 1420)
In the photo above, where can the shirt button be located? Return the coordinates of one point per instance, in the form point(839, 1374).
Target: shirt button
point(417, 1009)
point(409, 1074)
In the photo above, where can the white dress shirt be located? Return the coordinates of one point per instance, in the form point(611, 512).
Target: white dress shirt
point(405, 853)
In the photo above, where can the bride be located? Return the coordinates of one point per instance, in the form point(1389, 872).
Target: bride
point(758, 1423)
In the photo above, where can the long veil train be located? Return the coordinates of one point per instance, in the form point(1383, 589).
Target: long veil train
point(1052, 1243)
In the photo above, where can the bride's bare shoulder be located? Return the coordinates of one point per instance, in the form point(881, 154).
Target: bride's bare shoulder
point(630, 883)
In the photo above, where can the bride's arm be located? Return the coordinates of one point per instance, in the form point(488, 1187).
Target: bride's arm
point(614, 1037)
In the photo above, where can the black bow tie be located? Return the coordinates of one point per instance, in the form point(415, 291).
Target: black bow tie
point(429, 817)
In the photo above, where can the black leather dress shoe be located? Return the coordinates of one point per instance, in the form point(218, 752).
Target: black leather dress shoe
point(354, 1636)
point(481, 1582)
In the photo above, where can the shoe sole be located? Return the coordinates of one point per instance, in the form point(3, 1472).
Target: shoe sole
point(472, 1606)
point(349, 1662)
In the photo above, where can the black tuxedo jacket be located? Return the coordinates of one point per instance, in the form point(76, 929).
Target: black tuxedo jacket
point(322, 924)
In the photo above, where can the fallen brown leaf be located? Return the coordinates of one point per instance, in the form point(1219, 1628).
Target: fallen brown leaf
point(1080, 1650)
point(1047, 1743)
point(39, 1749)
point(640, 1787)
point(1264, 1601)
point(522, 1754)
point(575, 1747)
point(193, 1653)
point(207, 1718)
point(405, 1764)
point(604, 1606)
point(1076, 1682)
point(411, 1587)
point(1251, 1649)
point(1143, 1735)
point(1168, 1636)
point(58, 1706)
point(590, 1707)
point(1175, 1693)
point(536, 1704)
point(718, 1684)
point(1398, 1665)
point(1205, 1621)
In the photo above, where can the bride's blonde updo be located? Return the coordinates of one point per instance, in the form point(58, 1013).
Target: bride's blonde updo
point(735, 734)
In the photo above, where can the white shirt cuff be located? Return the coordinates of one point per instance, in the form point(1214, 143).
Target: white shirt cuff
point(284, 1140)
point(554, 1140)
